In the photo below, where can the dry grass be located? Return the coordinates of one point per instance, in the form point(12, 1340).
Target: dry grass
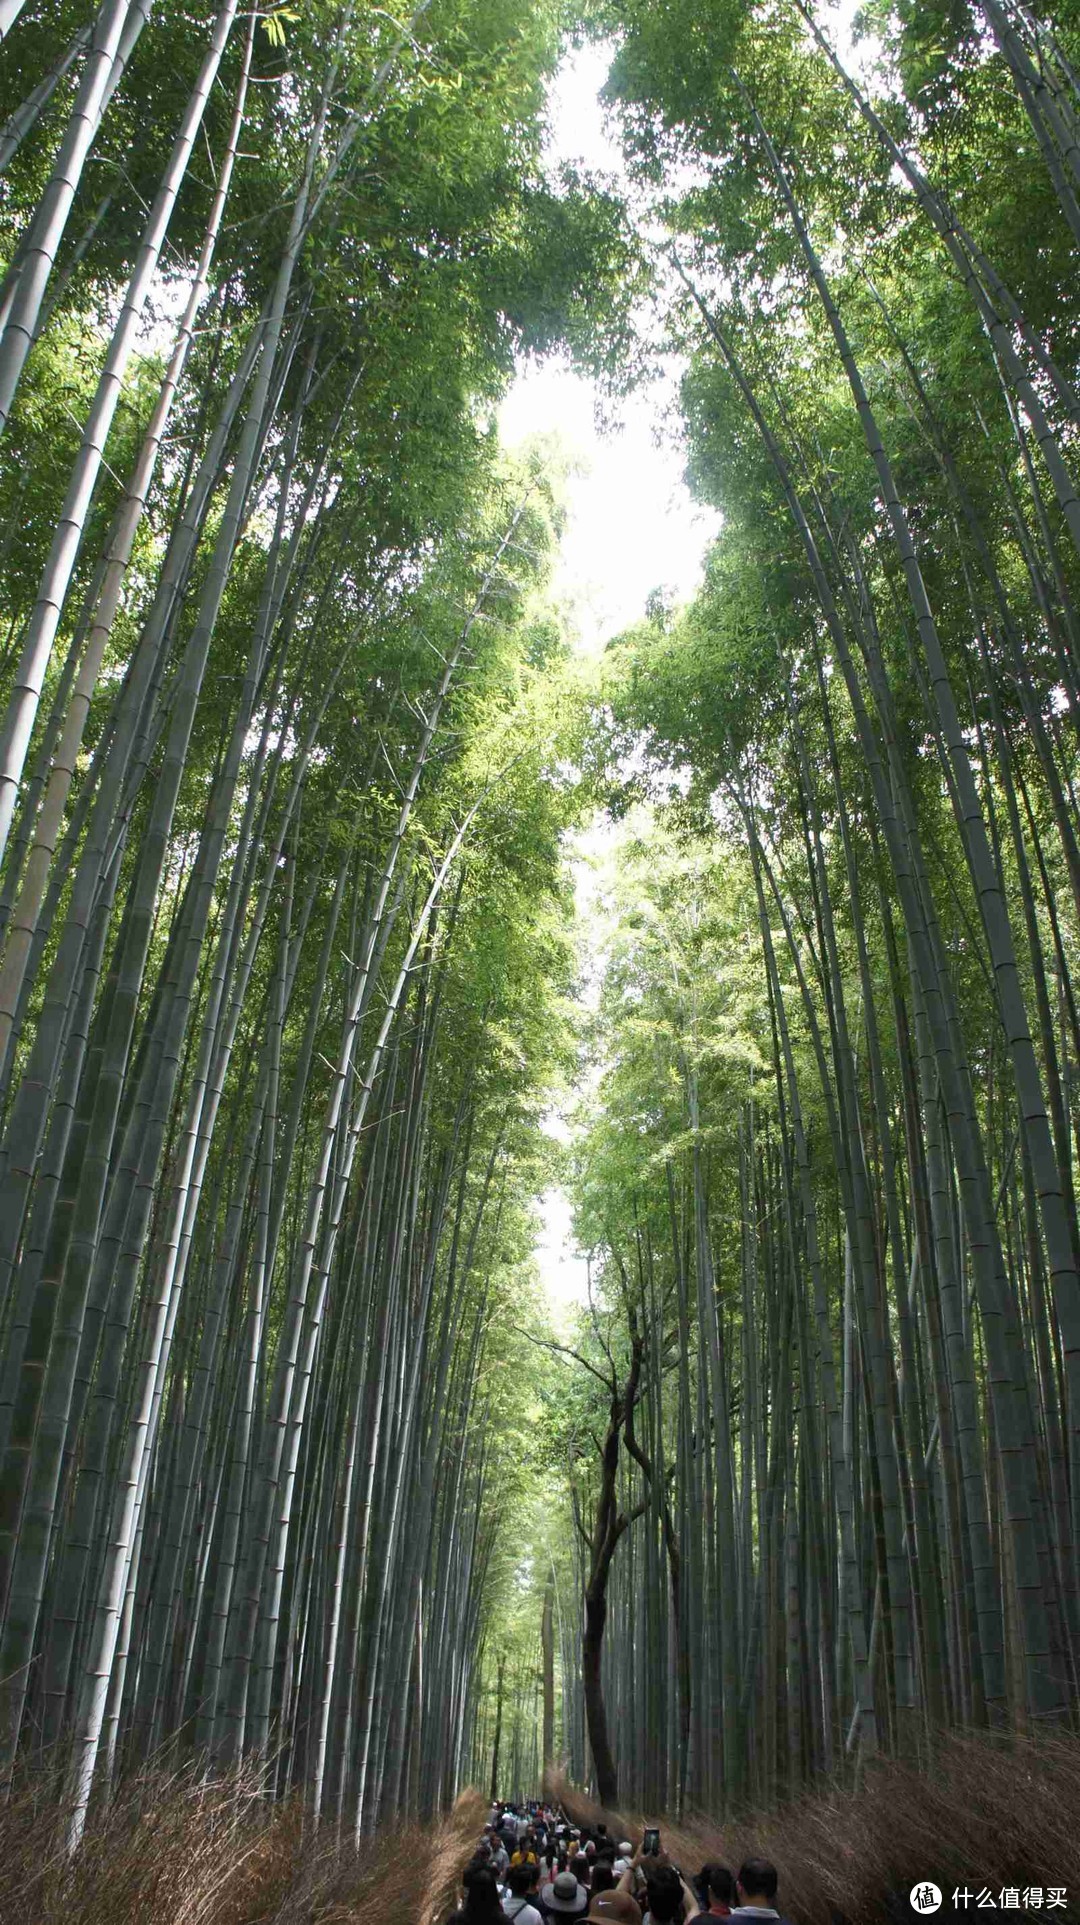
point(177, 1848)
point(988, 1812)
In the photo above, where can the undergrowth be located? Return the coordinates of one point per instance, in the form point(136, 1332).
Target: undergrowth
point(184, 1848)
point(981, 1813)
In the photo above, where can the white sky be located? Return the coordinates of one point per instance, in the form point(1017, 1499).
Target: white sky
point(632, 524)
point(563, 1270)
point(632, 527)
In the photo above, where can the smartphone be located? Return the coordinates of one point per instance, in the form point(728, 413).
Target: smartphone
point(650, 1847)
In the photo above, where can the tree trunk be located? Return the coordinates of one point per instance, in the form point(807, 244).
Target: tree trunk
point(607, 1777)
point(547, 1646)
point(500, 1676)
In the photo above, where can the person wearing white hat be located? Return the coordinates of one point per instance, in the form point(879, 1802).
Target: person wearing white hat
point(625, 1858)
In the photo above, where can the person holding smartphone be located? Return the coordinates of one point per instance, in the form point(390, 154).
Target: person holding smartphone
point(668, 1898)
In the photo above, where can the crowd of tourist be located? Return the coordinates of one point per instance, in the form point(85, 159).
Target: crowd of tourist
point(532, 1867)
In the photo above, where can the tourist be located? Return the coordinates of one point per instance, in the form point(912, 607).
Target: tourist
point(519, 1906)
point(715, 1887)
point(756, 1890)
point(564, 1897)
point(615, 1908)
point(668, 1898)
point(482, 1904)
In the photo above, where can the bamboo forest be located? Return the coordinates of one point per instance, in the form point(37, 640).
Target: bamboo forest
point(539, 966)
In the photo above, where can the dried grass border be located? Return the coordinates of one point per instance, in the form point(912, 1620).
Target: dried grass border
point(985, 1811)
